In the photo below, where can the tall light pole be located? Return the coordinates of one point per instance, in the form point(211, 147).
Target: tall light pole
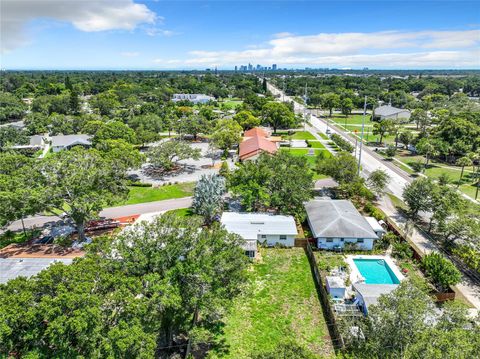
point(284, 85)
point(305, 97)
point(361, 136)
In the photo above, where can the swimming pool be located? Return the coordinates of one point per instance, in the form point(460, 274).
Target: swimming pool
point(375, 271)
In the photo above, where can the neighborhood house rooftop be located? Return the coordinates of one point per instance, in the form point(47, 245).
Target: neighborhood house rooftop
point(11, 268)
point(337, 219)
point(371, 292)
point(250, 225)
point(69, 140)
point(388, 110)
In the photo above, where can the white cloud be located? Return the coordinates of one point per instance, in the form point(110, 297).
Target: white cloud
point(160, 32)
point(88, 15)
point(130, 54)
point(377, 49)
point(280, 35)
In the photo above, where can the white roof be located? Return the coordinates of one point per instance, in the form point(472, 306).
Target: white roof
point(69, 140)
point(335, 282)
point(11, 268)
point(250, 225)
point(371, 292)
point(375, 225)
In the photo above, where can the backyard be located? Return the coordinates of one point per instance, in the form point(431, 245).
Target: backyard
point(280, 305)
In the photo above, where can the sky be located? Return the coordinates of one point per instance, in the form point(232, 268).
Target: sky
point(136, 34)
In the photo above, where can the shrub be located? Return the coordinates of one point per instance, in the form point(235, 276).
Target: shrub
point(469, 256)
point(417, 166)
point(342, 143)
point(391, 151)
point(441, 271)
point(374, 211)
point(402, 250)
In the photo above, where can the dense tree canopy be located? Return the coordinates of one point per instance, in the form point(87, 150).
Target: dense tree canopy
point(126, 298)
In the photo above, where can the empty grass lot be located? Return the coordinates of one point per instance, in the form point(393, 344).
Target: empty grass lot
point(150, 194)
point(280, 305)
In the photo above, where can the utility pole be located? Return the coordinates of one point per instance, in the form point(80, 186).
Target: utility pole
point(305, 108)
point(283, 94)
point(361, 137)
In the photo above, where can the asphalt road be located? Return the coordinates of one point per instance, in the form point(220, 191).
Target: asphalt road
point(113, 212)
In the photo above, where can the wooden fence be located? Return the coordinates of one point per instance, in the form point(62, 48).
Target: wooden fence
point(328, 313)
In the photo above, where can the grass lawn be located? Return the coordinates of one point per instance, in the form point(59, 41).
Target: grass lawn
point(315, 144)
point(323, 135)
point(280, 305)
point(303, 135)
point(150, 194)
point(184, 212)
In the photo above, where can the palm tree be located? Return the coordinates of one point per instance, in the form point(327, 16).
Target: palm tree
point(463, 161)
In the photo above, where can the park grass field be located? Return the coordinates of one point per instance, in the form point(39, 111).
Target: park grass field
point(316, 144)
point(303, 135)
point(151, 194)
point(280, 305)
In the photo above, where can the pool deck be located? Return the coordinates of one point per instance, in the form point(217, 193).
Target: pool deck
point(356, 277)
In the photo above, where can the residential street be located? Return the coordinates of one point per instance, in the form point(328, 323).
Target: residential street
point(113, 212)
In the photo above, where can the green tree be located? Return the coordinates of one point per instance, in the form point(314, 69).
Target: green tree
point(278, 115)
point(168, 153)
point(208, 197)
point(260, 187)
point(346, 105)
point(105, 103)
point(342, 168)
point(10, 136)
point(441, 271)
point(330, 101)
point(247, 120)
point(406, 137)
point(378, 181)
point(115, 130)
point(391, 151)
point(418, 195)
point(463, 162)
point(226, 134)
point(80, 183)
point(427, 148)
point(382, 128)
point(192, 125)
point(11, 107)
point(420, 117)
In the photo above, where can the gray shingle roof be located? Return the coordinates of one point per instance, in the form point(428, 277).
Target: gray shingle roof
point(337, 219)
point(69, 140)
point(388, 110)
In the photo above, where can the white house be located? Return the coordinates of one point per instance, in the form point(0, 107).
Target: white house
point(336, 222)
point(63, 142)
point(261, 227)
point(192, 97)
point(390, 112)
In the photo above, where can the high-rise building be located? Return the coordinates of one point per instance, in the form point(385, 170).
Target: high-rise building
point(259, 67)
point(236, 68)
point(274, 67)
point(250, 67)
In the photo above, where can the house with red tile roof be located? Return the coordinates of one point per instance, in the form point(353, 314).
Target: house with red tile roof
point(255, 142)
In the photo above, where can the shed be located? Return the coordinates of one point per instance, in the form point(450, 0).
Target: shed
point(336, 286)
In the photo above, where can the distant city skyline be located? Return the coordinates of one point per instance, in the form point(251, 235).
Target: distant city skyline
point(156, 35)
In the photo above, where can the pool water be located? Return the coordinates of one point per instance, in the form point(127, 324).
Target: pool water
point(376, 271)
